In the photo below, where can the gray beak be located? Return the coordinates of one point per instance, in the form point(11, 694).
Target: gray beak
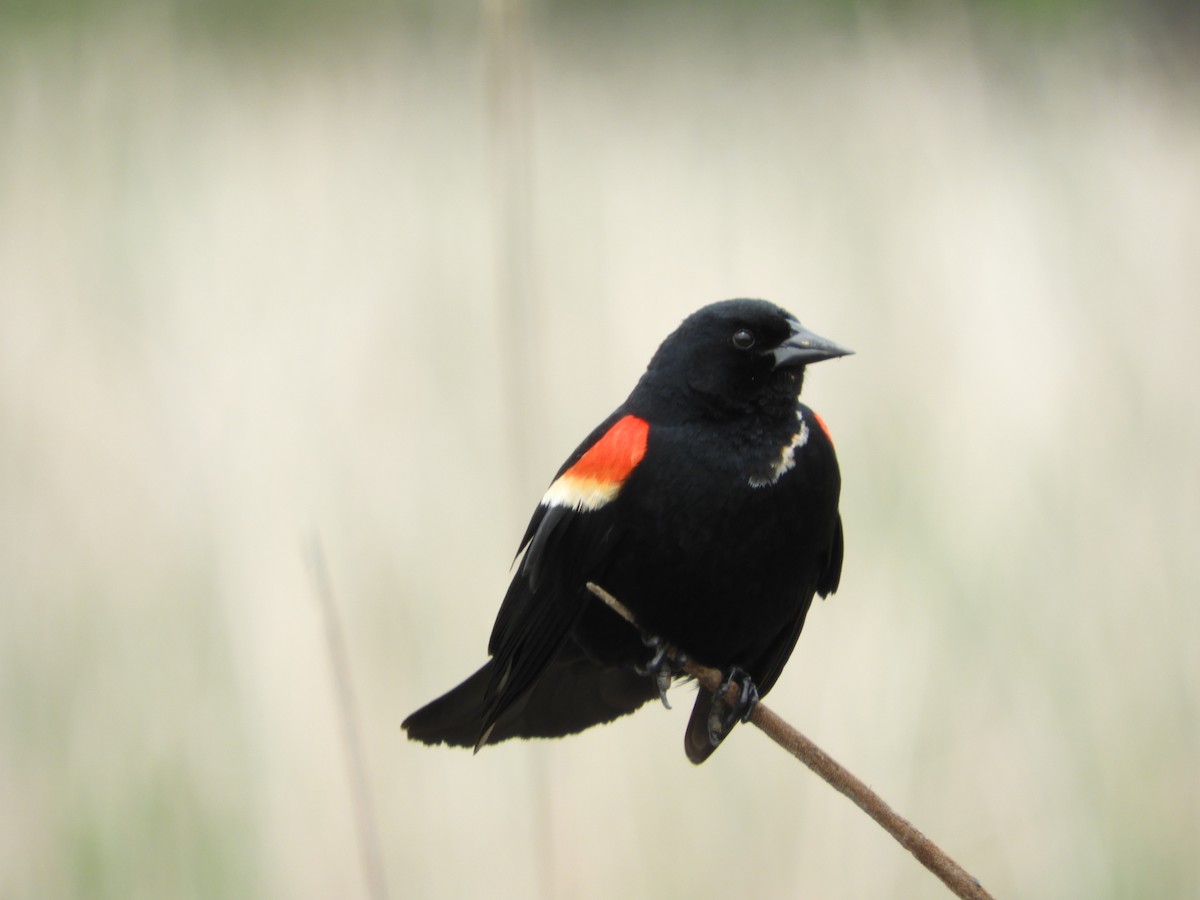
point(804, 347)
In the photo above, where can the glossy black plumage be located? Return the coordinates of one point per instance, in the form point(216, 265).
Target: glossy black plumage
point(707, 505)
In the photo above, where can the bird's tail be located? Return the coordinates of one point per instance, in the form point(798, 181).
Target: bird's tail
point(571, 694)
point(456, 717)
point(696, 742)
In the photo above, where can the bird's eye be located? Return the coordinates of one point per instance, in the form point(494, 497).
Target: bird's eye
point(743, 339)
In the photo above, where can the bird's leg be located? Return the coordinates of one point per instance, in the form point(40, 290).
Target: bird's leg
point(723, 714)
point(663, 665)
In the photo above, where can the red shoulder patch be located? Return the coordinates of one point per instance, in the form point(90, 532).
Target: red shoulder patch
point(824, 427)
point(597, 475)
point(616, 454)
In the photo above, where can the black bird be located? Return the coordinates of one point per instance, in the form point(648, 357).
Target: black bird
point(707, 503)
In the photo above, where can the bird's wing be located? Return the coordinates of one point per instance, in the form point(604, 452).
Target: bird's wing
point(766, 670)
point(571, 532)
point(777, 654)
point(832, 574)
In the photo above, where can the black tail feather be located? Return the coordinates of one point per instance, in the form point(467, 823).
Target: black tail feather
point(696, 742)
point(456, 717)
point(571, 694)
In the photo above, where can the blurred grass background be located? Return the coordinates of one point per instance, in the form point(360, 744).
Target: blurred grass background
point(372, 271)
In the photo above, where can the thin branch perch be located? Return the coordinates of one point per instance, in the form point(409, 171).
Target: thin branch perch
point(926, 851)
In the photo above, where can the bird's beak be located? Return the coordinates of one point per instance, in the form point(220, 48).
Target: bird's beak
point(804, 347)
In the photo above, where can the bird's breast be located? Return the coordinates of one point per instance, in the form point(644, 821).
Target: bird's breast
point(725, 526)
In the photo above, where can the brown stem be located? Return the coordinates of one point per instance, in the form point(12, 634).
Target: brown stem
point(926, 851)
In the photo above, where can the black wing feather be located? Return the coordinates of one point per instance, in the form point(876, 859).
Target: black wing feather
point(832, 576)
point(777, 654)
point(770, 665)
point(542, 604)
point(561, 546)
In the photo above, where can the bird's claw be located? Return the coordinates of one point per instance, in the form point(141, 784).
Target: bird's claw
point(662, 666)
point(723, 714)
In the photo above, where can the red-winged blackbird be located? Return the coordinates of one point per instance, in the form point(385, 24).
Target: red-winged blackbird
point(707, 503)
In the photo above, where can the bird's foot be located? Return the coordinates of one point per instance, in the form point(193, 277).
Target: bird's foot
point(724, 713)
point(662, 666)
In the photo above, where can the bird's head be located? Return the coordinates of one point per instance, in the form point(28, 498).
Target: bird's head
point(736, 356)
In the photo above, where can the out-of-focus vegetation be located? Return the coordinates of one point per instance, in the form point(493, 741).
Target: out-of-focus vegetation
point(234, 19)
point(255, 281)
